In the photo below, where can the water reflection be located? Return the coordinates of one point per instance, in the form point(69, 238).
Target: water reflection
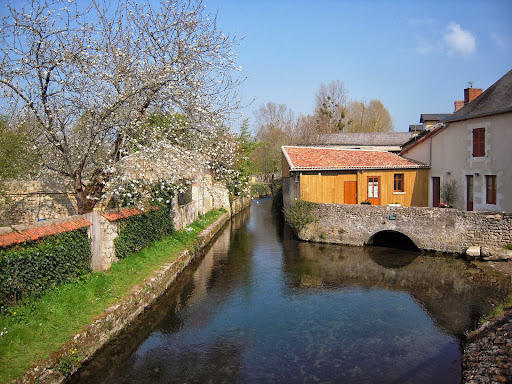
point(263, 307)
point(453, 291)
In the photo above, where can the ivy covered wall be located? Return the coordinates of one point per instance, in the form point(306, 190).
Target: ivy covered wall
point(30, 269)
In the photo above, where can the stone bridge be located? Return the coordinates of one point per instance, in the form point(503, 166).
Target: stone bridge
point(431, 229)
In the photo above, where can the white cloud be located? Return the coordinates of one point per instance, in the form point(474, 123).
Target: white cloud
point(501, 41)
point(459, 40)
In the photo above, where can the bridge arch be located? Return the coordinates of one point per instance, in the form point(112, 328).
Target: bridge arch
point(392, 239)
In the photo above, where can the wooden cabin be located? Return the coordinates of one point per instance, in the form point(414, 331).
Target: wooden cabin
point(349, 176)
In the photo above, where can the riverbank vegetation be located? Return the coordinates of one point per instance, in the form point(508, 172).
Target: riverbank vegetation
point(299, 214)
point(260, 190)
point(31, 332)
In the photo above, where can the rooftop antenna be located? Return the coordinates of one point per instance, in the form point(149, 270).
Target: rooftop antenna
point(470, 84)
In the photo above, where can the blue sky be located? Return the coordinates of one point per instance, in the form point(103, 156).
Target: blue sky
point(415, 56)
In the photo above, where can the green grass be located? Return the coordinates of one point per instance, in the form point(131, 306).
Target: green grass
point(32, 331)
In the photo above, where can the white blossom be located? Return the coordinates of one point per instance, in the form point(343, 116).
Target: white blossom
point(89, 79)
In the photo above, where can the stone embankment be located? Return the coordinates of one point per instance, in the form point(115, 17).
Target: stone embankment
point(107, 325)
point(487, 354)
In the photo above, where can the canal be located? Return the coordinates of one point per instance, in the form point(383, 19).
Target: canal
point(262, 307)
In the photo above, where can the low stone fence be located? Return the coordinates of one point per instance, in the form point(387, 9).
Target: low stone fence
point(434, 229)
point(239, 204)
point(103, 228)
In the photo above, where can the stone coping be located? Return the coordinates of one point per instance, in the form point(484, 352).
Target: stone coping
point(114, 319)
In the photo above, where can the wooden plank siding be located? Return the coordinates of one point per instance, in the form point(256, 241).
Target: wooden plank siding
point(330, 188)
point(324, 188)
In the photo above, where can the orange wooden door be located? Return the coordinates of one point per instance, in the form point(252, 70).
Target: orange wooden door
point(374, 189)
point(350, 196)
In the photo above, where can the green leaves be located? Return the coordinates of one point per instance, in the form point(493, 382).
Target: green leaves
point(29, 270)
point(299, 214)
point(138, 232)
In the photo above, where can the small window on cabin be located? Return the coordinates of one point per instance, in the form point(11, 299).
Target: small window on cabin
point(297, 178)
point(398, 182)
point(490, 194)
point(478, 142)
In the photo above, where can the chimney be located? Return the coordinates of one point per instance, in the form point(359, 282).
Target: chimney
point(458, 104)
point(471, 94)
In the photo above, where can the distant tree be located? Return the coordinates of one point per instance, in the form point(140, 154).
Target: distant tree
point(371, 117)
point(275, 128)
point(248, 144)
point(88, 80)
point(17, 156)
point(306, 130)
point(330, 107)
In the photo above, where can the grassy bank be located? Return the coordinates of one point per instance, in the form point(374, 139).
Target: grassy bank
point(31, 332)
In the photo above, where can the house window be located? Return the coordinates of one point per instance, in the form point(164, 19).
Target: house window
point(398, 182)
point(478, 142)
point(490, 194)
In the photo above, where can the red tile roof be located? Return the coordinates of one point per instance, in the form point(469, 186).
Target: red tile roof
point(316, 158)
point(129, 212)
point(36, 233)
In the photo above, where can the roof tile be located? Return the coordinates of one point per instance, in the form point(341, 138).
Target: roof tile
point(129, 212)
point(36, 233)
point(314, 158)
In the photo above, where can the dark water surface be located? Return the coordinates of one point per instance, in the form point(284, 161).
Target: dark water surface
point(261, 307)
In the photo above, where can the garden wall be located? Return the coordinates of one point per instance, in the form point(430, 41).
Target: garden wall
point(30, 201)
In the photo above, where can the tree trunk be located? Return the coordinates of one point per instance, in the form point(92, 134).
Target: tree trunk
point(84, 204)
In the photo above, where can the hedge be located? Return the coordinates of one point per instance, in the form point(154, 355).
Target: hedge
point(138, 232)
point(31, 269)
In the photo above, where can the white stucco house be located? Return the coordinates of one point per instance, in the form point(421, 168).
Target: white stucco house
point(472, 150)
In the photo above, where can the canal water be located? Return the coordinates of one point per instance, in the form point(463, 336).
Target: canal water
point(262, 307)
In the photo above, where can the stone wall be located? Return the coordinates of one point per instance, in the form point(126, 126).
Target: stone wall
point(31, 201)
point(183, 215)
point(291, 191)
point(102, 233)
point(239, 204)
point(433, 229)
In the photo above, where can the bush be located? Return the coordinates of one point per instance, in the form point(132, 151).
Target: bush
point(31, 269)
point(449, 192)
point(299, 215)
point(260, 190)
point(138, 232)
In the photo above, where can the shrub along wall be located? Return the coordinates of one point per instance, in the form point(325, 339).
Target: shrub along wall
point(30, 269)
point(140, 231)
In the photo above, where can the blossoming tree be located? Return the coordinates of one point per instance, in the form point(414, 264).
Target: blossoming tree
point(89, 79)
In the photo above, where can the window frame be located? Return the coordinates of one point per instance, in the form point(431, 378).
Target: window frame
point(398, 182)
point(479, 142)
point(490, 189)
